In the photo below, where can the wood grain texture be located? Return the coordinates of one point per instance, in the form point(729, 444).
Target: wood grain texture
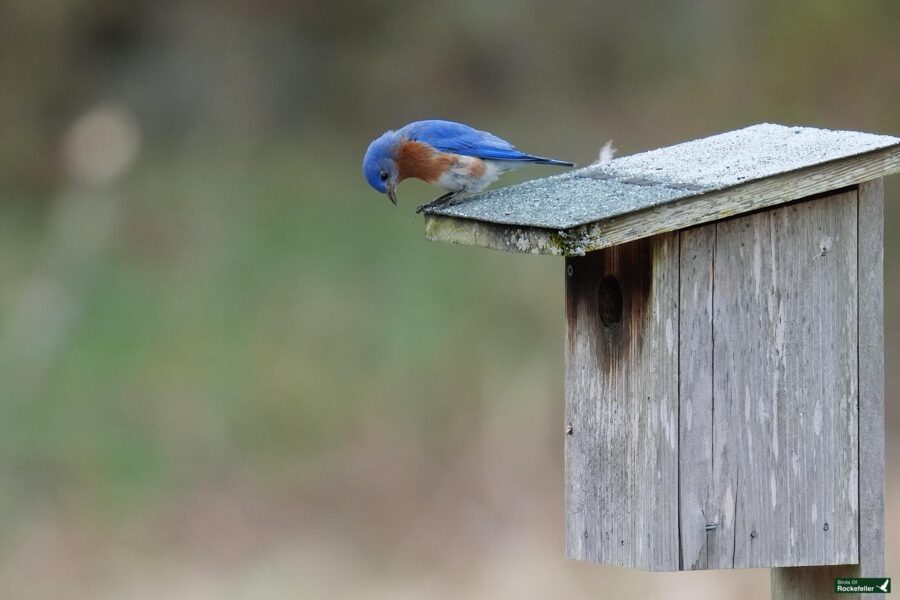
point(768, 384)
point(815, 582)
point(777, 376)
point(679, 214)
point(871, 378)
point(528, 240)
point(696, 396)
point(785, 460)
point(622, 404)
point(810, 583)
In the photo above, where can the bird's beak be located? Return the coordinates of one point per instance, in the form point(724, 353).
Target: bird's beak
point(392, 194)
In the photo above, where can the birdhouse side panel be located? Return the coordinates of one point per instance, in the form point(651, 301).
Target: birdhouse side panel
point(871, 378)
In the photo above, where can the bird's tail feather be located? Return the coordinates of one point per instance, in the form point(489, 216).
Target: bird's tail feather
point(540, 160)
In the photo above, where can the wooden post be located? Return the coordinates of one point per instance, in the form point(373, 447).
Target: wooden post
point(817, 582)
point(810, 583)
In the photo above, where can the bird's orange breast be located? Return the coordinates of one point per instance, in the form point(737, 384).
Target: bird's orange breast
point(421, 161)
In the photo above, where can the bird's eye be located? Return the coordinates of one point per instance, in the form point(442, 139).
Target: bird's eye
point(384, 176)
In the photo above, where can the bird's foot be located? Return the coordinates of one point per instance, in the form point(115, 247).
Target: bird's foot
point(458, 198)
point(445, 200)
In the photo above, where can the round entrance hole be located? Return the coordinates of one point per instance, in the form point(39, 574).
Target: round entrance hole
point(609, 301)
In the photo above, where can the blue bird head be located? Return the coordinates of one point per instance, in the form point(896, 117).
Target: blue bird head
point(379, 166)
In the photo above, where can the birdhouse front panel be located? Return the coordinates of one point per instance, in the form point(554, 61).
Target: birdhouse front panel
point(712, 385)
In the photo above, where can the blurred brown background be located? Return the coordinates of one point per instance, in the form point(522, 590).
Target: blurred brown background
point(229, 369)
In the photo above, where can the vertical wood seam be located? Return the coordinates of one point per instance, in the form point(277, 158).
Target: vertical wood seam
point(737, 489)
point(678, 407)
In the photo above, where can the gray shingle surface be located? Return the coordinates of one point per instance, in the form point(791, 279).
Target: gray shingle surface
point(650, 179)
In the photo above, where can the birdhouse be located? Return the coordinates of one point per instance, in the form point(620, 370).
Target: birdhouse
point(724, 348)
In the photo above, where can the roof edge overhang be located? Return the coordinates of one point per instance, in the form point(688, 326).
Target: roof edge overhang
point(678, 214)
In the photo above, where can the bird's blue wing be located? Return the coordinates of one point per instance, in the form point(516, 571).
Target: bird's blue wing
point(457, 138)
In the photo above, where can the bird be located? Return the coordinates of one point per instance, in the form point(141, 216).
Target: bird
point(456, 157)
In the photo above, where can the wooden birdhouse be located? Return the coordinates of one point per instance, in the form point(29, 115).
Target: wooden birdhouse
point(724, 355)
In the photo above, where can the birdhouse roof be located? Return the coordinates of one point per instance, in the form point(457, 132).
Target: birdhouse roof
point(666, 189)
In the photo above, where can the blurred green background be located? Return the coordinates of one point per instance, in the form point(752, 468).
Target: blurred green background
point(229, 369)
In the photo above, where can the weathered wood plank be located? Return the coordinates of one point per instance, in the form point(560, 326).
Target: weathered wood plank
point(871, 379)
point(510, 238)
point(809, 583)
point(785, 424)
point(622, 405)
point(816, 582)
point(678, 214)
point(696, 394)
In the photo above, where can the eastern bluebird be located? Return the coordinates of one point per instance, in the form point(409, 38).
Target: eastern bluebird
point(456, 157)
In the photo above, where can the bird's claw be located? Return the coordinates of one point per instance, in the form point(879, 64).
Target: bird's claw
point(445, 200)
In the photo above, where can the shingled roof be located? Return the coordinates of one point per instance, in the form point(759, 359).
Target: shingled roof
point(666, 189)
